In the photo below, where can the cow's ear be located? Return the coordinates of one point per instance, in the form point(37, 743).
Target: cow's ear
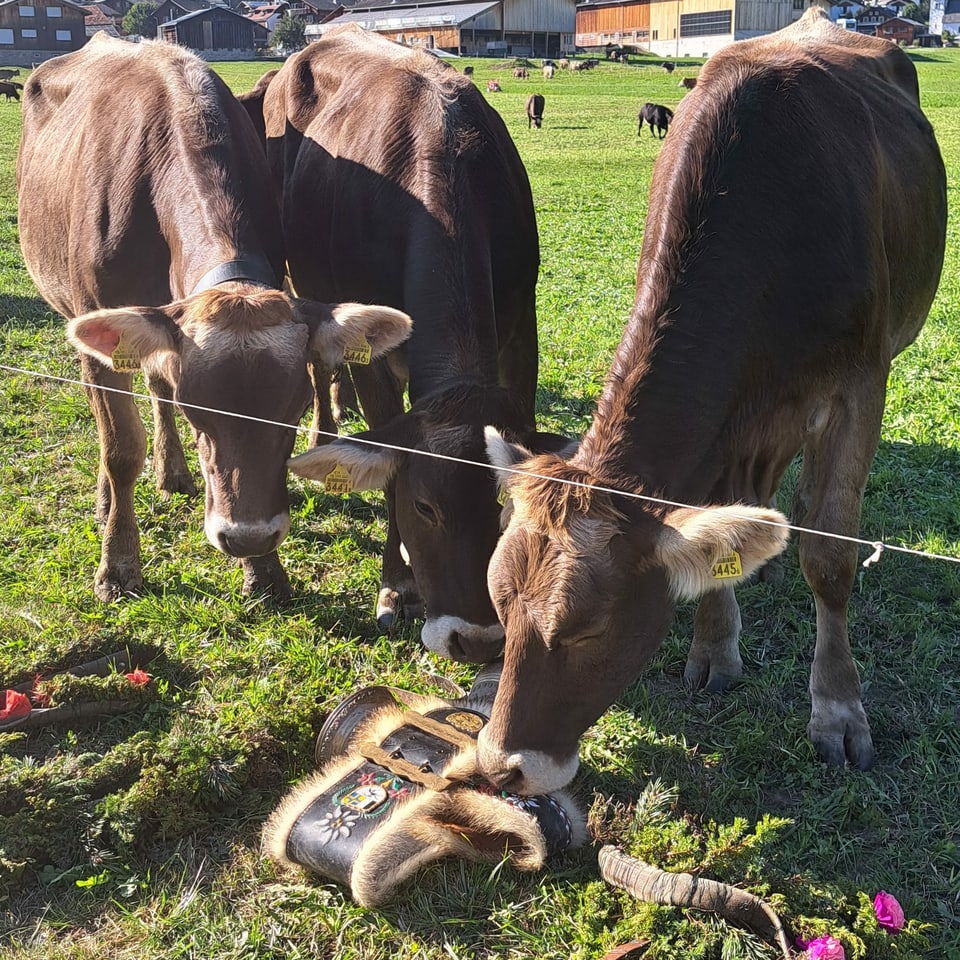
point(126, 337)
point(354, 326)
point(505, 457)
point(353, 463)
point(704, 549)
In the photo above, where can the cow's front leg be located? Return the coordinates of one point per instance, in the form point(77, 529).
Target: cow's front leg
point(399, 598)
point(265, 576)
point(836, 462)
point(123, 450)
point(169, 462)
point(714, 660)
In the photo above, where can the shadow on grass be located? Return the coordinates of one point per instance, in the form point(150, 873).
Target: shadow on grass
point(27, 311)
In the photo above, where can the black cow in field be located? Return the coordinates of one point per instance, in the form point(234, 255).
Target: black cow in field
point(535, 110)
point(10, 90)
point(657, 116)
point(668, 66)
point(7, 73)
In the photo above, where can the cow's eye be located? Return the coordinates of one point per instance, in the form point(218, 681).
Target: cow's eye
point(425, 510)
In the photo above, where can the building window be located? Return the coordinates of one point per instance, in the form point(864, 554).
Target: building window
point(54, 12)
point(655, 35)
point(27, 11)
point(706, 24)
point(28, 34)
point(64, 35)
point(799, 4)
point(6, 36)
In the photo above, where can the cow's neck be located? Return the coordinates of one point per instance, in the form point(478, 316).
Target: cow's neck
point(213, 236)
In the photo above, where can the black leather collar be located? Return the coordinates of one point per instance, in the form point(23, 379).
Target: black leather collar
point(252, 268)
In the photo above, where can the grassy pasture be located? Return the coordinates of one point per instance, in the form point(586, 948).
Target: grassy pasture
point(139, 836)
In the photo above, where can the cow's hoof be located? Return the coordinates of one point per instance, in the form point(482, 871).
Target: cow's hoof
point(265, 577)
point(701, 675)
point(171, 484)
point(397, 606)
point(841, 735)
point(109, 586)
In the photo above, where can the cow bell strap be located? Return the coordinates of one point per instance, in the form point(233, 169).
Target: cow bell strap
point(251, 268)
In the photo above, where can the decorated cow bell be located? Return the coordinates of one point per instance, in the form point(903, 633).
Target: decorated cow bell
point(398, 788)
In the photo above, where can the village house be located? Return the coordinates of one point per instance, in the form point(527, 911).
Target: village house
point(35, 30)
point(681, 28)
point(484, 28)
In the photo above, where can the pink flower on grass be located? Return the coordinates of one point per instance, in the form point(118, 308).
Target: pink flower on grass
point(823, 948)
point(139, 677)
point(889, 912)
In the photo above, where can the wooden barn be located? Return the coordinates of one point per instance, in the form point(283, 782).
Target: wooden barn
point(33, 30)
point(900, 30)
point(215, 33)
point(476, 28)
point(680, 28)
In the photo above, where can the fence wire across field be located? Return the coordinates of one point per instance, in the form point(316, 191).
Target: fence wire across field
point(877, 546)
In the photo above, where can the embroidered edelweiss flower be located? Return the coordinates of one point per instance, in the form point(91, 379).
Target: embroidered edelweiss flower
point(335, 825)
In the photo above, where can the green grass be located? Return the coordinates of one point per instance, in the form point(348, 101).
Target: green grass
point(139, 836)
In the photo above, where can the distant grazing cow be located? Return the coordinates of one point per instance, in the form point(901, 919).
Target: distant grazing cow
point(723, 374)
point(169, 258)
point(548, 71)
point(10, 90)
point(669, 67)
point(535, 110)
point(468, 71)
point(520, 73)
point(657, 116)
point(430, 207)
point(563, 64)
point(493, 86)
point(577, 65)
point(688, 83)
point(7, 74)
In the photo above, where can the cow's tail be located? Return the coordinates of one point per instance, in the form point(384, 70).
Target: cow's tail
point(654, 885)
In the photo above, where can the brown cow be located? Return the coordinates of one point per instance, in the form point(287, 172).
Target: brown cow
point(771, 298)
point(535, 110)
point(401, 184)
point(140, 181)
point(688, 83)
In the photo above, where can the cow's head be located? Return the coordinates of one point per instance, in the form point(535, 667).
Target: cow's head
point(447, 512)
point(585, 585)
point(244, 353)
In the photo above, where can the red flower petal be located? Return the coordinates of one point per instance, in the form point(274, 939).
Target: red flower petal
point(139, 677)
point(15, 706)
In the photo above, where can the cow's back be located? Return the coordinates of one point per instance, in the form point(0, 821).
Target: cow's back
point(816, 172)
point(401, 184)
point(121, 143)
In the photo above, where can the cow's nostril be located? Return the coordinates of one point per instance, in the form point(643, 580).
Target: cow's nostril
point(507, 780)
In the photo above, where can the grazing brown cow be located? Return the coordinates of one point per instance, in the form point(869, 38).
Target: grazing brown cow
point(10, 90)
point(521, 73)
point(535, 110)
point(771, 298)
point(401, 184)
point(657, 116)
point(140, 181)
point(688, 83)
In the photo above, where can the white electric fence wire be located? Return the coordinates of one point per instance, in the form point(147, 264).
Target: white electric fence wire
point(877, 546)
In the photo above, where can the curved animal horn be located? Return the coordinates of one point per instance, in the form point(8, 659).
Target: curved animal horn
point(653, 885)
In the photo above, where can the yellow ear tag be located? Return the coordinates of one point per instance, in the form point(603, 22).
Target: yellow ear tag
point(338, 480)
point(125, 358)
point(503, 495)
point(728, 567)
point(358, 353)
